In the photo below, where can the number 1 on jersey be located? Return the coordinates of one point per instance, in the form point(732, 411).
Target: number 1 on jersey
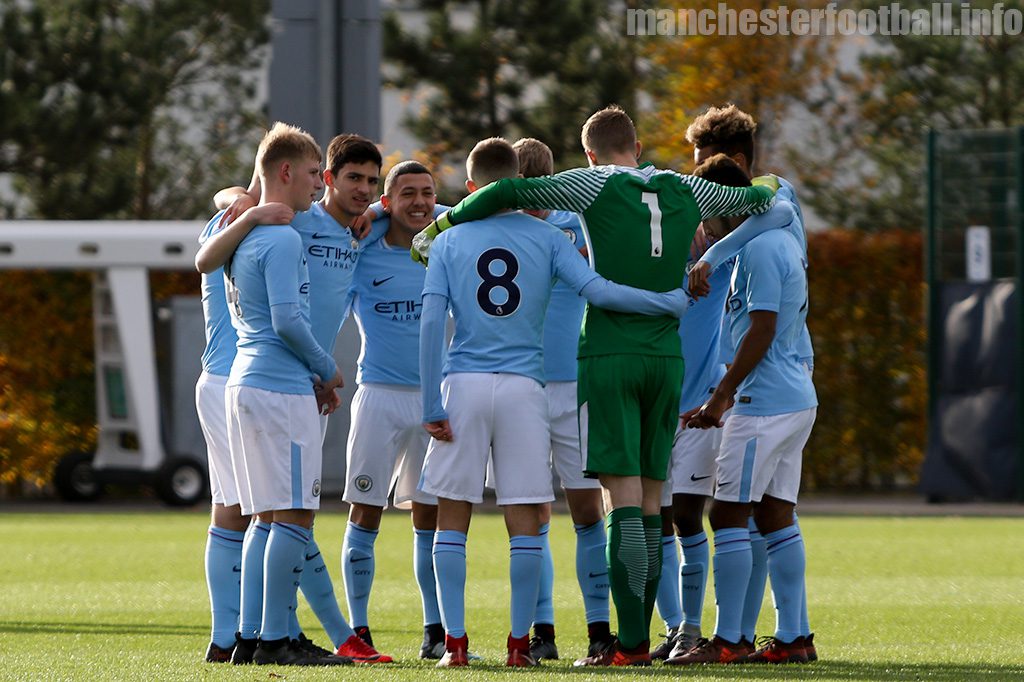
point(651, 200)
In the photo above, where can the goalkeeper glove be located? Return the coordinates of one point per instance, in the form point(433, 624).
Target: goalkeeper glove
point(770, 181)
point(421, 243)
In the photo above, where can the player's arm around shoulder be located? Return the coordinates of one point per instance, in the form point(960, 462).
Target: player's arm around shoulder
point(218, 248)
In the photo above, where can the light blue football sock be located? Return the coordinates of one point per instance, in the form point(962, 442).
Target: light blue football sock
point(224, 580)
point(805, 621)
point(254, 548)
point(592, 571)
point(693, 576)
point(450, 572)
point(545, 612)
point(732, 573)
point(754, 596)
point(318, 589)
point(669, 607)
point(357, 567)
point(423, 569)
point(524, 568)
point(282, 571)
point(787, 565)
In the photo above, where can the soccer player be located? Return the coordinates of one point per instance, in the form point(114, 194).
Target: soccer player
point(386, 441)
point(272, 409)
point(331, 251)
point(758, 466)
point(497, 277)
point(223, 561)
point(731, 131)
point(638, 222)
point(583, 495)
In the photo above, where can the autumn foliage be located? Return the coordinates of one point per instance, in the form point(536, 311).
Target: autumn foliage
point(867, 320)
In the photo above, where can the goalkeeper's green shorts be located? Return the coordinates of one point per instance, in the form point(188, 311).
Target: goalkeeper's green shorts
point(629, 408)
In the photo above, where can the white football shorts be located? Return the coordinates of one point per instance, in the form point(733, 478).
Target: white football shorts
point(505, 415)
point(211, 408)
point(386, 447)
point(762, 456)
point(567, 456)
point(275, 449)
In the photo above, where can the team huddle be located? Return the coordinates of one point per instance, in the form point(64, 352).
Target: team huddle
point(593, 334)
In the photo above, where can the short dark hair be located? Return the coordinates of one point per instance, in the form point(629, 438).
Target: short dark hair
point(404, 168)
point(348, 148)
point(722, 170)
point(727, 129)
point(492, 159)
point(609, 131)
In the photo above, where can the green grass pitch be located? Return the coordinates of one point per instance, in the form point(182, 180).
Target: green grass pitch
point(122, 597)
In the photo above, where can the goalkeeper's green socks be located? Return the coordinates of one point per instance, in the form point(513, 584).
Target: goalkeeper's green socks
point(627, 573)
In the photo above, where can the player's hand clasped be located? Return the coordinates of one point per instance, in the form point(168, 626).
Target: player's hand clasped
point(708, 415)
point(327, 398)
point(439, 430)
point(420, 251)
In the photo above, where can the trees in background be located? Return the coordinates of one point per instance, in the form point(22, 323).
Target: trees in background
point(108, 109)
point(861, 163)
point(511, 68)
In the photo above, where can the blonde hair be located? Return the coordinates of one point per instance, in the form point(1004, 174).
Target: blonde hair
point(492, 159)
point(535, 157)
point(285, 142)
point(609, 131)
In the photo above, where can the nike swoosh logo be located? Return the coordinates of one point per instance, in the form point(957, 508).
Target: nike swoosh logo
point(378, 282)
point(296, 570)
point(365, 558)
point(598, 575)
point(236, 569)
point(310, 558)
point(699, 478)
point(720, 484)
point(317, 235)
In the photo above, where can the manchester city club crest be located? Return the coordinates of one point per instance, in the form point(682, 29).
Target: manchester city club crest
point(316, 488)
point(363, 483)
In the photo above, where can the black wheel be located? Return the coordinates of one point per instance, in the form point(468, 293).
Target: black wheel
point(181, 482)
point(75, 479)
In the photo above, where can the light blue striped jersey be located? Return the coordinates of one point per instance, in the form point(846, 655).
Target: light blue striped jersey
point(267, 269)
point(220, 335)
point(388, 293)
point(332, 252)
point(565, 311)
point(497, 274)
point(769, 275)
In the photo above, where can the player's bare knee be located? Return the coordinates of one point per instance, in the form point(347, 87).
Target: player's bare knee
point(229, 518)
point(772, 514)
point(586, 506)
point(365, 515)
point(297, 517)
point(424, 516)
point(522, 519)
point(688, 514)
point(728, 514)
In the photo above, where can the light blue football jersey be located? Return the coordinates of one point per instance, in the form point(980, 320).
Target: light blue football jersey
point(769, 275)
point(565, 311)
point(797, 228)
point(700, 332)
point(332, 252)
point(267, 269)
point(497, 274)
point(220, 335)
point(388, 293)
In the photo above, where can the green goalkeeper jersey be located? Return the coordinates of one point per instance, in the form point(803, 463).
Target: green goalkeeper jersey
point(638, 224)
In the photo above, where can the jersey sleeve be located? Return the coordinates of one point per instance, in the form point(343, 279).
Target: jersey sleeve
point(281, 267)
point(432, 338)
point(764, 269)
point(572, 190)
point(779, 216)
point(568, 266)
point(436, 280)
point(715, 200)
